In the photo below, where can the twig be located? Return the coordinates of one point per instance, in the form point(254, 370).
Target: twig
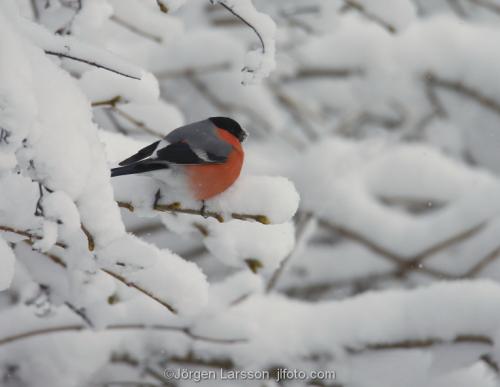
point(175, 208)
point(115, 327)
point(108, 102)
point(490, 362)
point(311, 73)
point(425, 343)
point(465, 90)
point(406, 263)
point(59, 261)
point(190, 71)
point(36, 11)
point(28, 235)
point(135, 29)
point(140, 289)
point(377, 19)
point(479, 266)
point(136, 122)
point(89, 62)
point(487, 4)
point(90, 238)
point(457, 7)
point(301, 226)
point(80, 312)
point(163, 7)
point(230, 9)
point(221, 105)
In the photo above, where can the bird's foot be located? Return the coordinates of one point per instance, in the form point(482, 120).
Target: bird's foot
point(157, 198)
point(203, 209)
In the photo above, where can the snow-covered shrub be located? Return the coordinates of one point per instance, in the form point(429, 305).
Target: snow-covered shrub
point(384, 115)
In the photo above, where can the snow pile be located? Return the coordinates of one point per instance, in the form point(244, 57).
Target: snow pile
point(239, 243)
point(357, 183)
point(66, 159)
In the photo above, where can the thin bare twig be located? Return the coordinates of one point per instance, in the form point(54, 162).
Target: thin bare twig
point(115, 327)
point(89, 62)
point(140, 289)
point(370, 16)
point(300, 228)
point(231, 10)
point(135, 29)
point(28, 234)
point(465, 90)
point(136, 122)
point(406, 263)
point(191, 71)
point(487, 5)
point(425, 343)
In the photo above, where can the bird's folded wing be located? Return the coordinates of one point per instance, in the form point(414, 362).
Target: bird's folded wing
point(141, 154)
point(183, 153)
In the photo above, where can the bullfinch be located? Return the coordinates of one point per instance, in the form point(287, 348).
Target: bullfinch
point(201, 159)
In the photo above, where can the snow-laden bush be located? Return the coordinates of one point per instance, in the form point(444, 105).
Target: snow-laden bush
point(383, 114)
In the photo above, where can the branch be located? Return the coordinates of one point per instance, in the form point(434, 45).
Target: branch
point(175, 208)
point(140, 289)
point(59, 261)
point(89, 62)
point(136, 30)
point(231, 10)
point(112, 104)
point(28, 234)
point(426, 343)
point(190, 71)
point(371, 16)
point(116, 327)
point(406, 263)
point(300, 234)
point(308, 73)
point(465, 90)
point(136, 122)
point(487, 4)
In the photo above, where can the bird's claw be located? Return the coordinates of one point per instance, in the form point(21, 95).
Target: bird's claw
point(157, 198)
point(203, 210)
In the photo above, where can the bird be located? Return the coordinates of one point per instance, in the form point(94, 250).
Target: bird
point(201, 159)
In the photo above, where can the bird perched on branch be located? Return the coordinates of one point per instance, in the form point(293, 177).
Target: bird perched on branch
point(203, 158)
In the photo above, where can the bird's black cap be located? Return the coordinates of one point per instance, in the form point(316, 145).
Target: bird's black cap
point(231, 126)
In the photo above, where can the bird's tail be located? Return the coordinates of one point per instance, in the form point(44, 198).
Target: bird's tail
point(138, 167)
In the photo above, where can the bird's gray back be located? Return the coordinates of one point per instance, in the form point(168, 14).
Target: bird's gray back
point(201, 135)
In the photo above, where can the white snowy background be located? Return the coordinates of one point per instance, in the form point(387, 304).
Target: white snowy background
point(363, 236)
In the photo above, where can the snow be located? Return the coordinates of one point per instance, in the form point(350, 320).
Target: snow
point(249, 195)
point(360, 173)
point(361, 236)
point(259, 195)
point(237, 241)
point(398, 13)
point(260, 62)
point(59, 208)
point(429, 312)
point(72, 48)
point(7, 261)
point(146, 17)
point(159, 271)
point(143, 90)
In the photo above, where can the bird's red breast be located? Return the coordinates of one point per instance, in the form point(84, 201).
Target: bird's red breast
point(209, 180)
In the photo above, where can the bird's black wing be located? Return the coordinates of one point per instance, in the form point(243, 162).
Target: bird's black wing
point(141, 154)
point(183, 153)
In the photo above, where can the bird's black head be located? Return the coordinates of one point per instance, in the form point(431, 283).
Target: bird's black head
point(231, 126)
